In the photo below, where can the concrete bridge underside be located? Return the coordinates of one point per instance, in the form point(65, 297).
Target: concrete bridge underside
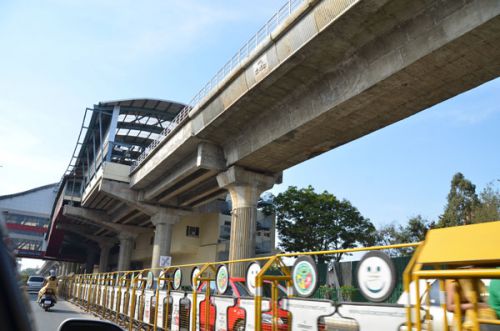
point(342, 70)
point(335, 71)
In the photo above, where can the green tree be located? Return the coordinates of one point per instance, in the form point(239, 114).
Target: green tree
point(310, 221)
point(462, 201)
point(488, 208)
point(414, 231)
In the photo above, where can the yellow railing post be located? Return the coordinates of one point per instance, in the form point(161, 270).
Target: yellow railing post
point(418, 317)
point(442, 300)
point(258, 292)
point(132, 302)
point(198, 278)
point(475, 294)
point(118, 299)
point(167, 308)
point(458, 309)
point(428, 317)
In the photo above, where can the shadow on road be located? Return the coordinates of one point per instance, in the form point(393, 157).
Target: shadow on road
point(61, 311)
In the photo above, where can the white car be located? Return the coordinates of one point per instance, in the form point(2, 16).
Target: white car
point(35, 283)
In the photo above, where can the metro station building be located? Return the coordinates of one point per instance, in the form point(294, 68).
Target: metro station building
point(99, 221)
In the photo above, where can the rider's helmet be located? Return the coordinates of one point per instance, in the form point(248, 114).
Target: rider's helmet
point(52, 273)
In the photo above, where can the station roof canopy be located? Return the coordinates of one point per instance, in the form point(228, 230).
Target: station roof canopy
point(139, 122)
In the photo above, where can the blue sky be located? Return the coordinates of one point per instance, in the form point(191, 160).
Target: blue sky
point(60, 56)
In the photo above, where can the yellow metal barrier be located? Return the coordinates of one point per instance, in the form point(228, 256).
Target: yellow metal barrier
point(123, 296)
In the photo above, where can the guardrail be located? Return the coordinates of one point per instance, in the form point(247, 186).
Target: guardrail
point(154, 299)
point(243, 53)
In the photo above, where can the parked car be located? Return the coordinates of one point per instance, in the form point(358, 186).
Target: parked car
point(34, 283)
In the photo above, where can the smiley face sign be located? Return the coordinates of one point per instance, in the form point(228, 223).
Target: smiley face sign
point(252, 270)
point(376, 276)
point(305, 276)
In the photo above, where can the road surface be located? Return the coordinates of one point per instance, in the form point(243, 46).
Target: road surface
point(49, 321)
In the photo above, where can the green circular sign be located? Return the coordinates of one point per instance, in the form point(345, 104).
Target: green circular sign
point(305, 276)
point(177, 279)
point(222, 279)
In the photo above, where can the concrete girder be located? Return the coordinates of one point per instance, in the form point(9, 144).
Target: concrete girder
point(80, 230)
point(122, 192)
point(207, 161)
point(102, 219)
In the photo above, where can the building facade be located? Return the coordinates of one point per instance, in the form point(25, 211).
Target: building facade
point(26, 217)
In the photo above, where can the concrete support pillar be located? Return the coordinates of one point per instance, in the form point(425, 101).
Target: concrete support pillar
point(104, 255)
point(126, 247)
point(245, 188)
point(164, 222)
point(89, 263)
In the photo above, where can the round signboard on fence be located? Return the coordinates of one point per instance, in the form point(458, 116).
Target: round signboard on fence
point(176, 284)
point(305, 276)
point(194, 273)
point(150, 280)
point(222, 279)
point(252, 270)
point(161, 282)
point(376, 276)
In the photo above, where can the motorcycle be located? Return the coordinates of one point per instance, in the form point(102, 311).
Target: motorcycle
point(47, 300)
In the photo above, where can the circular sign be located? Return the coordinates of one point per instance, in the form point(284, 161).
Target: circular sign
point(194, 273)
point(177, 279)
point(376, 276)
point(222, 279)
point(252, 270)
point(161, 282)
point(150, 280)
point(305, 276)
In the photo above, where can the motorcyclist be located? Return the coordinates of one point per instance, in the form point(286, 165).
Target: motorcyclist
point(49, 284)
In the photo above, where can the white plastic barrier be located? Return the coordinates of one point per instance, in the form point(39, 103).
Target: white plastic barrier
point(176, 309)
point(222, 303)
point(148, 297)
point(137, 308)
point(199, 298)
point(306, 312)
point(248, 304)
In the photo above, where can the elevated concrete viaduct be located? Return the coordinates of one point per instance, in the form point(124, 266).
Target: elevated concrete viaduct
point(333, 71)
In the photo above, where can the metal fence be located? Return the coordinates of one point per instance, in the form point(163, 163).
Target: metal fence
point(153, 299)
point(243, 53)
